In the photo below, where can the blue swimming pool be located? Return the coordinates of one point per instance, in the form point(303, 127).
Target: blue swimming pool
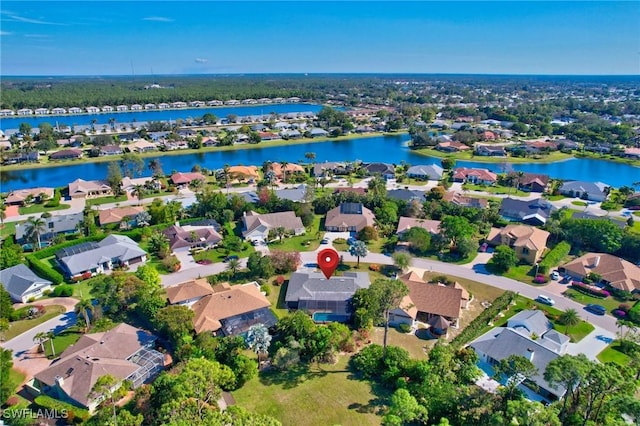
point(330, 317)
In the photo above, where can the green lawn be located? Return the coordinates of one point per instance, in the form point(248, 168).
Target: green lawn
point(579, 203)
point(106, 200)
point(276, 296)
point(610, 302)
point(8, 228)
point(522, 273)
point(341, 246)
point(40, 208)
point(18, 327)
point(612, 354)
point(218, 254)
point(82, 289)
point(554, 197)
point(16, 377)
point(307, 242)
point(377, 246)
point(62, 341)
point(320, 395)
point(157, 194)
point(494, 189)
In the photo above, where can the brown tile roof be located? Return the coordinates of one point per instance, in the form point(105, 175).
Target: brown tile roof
point(529, 178)
point(189, 290)
point(338, 217)
point(180, 237)
point(459, 146)
point(620, 273)
point(182, 178)
point(406, 223)
point(85, 186)
point(117, 214)
point(520, 235)
point(244, 171)
point(484, 174)
point(433, 299)
point(291, 168)
point(226, 302)
point(462, 200)
point(288, 220)
point(20, 195)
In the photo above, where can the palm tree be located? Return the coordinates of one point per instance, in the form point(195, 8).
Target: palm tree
point(358, 249)
point(226, 170)
point(283, 167)
point(49, 335)
point(569, 318)
point(40, 338)
point(84, 308)
point(280, 231)
point(3, 214)
point(233, 266)
point(35, 226)
point(138, 191)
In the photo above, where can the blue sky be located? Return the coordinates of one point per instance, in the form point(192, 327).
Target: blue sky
point(165, 37)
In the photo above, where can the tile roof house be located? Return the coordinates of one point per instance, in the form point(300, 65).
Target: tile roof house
point(142, 145)
point(528, 242)
point(54, 225)
point(616, 272)
point(531, 335)
point(490, 150)
point(425, 172)
point(406, 194)
point(452, 146)
point(110, 150)
point(406, 223)
point(386, 170)
point(119, 214)
point(532, 212)
point(463, 201)
point(257, 226)
point(125, 352)
point(337, 168)
point(244, 172)
point(66, 154)
point(186, 178)
point(350, 217)
point(291, 168)
point(189, 292)
point(80, 188)
point(532, 182)
point(96, 258)
point(18, 197)
point(477, 176)
point(232, 310)
point(313, 292)
point(594, 191)
point(22, 283)
point(432, 300)
point(185, 238)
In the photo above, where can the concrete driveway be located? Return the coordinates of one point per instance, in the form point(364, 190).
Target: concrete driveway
point(592, 344)
point(197, 271)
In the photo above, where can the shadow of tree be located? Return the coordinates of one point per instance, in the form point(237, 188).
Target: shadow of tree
point(375, 405)
point(294, 376)
point(424, 334)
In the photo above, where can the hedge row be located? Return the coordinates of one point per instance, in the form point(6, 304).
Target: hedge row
point(74, 414)
point(554, 257)
point(588, 289)
point(634, 313)
point(50, 251)
point(479, 323)
point(42, 269)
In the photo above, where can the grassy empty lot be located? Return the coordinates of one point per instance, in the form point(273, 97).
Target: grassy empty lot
point(612, 354)
point(18, 327)
point(320, 395)
point(494, 189)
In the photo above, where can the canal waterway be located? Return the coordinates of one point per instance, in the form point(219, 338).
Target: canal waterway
point(390, 149)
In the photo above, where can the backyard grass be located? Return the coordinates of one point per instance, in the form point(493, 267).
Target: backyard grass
point(610, 302)
point(307, 242)
point(40, 208)
point(8, 228)
point(579, 203)
point(494, 189)
point(106, 200)
point(218, 254)
point(16, 377)
point(62, 341)
point(82, 289)
point(613, 354)
point(320, 395)
point(276, 296)
point(18, 327)
point(416, 346)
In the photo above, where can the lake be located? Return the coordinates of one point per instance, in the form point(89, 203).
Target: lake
point(391, 149)
point(153, 115)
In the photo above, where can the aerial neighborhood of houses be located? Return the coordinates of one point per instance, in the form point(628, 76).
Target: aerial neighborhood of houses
point(108, 283)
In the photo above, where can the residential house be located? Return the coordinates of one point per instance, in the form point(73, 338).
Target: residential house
point(406, 223)
point(107, 108)
point(615, 272)
point(232, 310)
point(330, 167)
point(317, 132)
point(25, 111)
point(531, 335)
point(136, 107)
point(351, 190)
point(268, 136)
point(475, 176)
point(296, 194)
point(463, 201)
point(110, 150)
point(290, 134)
point(488, 135)
point(244, 172)
point(54, 225)
point(188, 293)
point(41, 111)
point(124, 352)
point(189, 237)
point(312, 292)
point(183, 179)
point(66, 154)
point(350, 217)
point(129, 184)
point(21, 157)
point(80, 188)
point(90, 110)
point(633, 153)
point(406, 194)
point(257, 226)
point(430, 301)
point(125, 214)
point(594, 191)
point(532, 212)
point(425, 172)
point(386, 170)
point(567, 144)
point(490, 150)
point(95, 258)
point(142, 145)
point(20, 196)
point(22, 283)
point(532, 182)
point(452, 146)
point(290, 169)
point(528, 242)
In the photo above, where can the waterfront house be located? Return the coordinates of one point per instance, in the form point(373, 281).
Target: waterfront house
point(615, 272)
point(490, 150)
point(25, 111)
point(452, 146)
point(107, 108)
point(528, 242)
point(350, 217)
point(110, 150)
point(312, 292)
point(22, 283)
point(55, 225)
point(124, 352)
point(136, 107)
point(21, 157)
point(41, 111)
point(122, 108)
point(164, 105)
point(189, 237)
point(184, 179)
point(425, 172)
point(120, 215)
point(475, 176)
point(20, 197)
point(330, 168)
point(386, 170)
point(257, 226)
point(142, 145)
point(80, 188)
point(290, 134)
point(290, 169)
point(533, 212)
point(463, 201)
point(593, 191)
point(66, 154)
point(95, 258)
point(532, 182)
point(149, 106)
point(317, 132)
point(89, 109)
point(244, 172)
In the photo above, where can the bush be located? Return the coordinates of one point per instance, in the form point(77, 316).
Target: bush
point(477, 325)
point(404, 327)
point(19, 314)
point(75, 414)
point(591, 290)
point(540, 279)
point(279, 280)
point(340, 241)
point(374, 267)
point(554, 257)
point(63, 290)
point(634, 313)
point(265, 289)
point(44, 270)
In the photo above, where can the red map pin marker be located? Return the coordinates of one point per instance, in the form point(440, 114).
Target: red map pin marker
point(328, 260)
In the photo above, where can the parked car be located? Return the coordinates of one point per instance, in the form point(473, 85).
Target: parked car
point(546, 300)
point(596, 309)
point(483, 248)
point(555, 275)
point(351, 241)
point(228, 258)
point(324, 241)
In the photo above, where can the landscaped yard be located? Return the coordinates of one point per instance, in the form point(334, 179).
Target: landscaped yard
point(322, 395)
point(82, 289)
point(522, 273)
point(307, 242)
point(612, 353)
point(218, 254)
point(62, 341)
point(579, 203)
point(8, 228)
point(40, 208)
point(106, 200)
point(494, 189)
point(610, 302)
point(18, 327)
point(413, 344)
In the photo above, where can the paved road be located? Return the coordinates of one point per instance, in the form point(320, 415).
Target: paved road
point(198, 271)
point(22, 343)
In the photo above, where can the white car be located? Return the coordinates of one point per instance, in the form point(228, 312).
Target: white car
point(546, 300)
point(555, 275)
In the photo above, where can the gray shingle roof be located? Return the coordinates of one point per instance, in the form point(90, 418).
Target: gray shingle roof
point(17, 279)
point(582, 186)
point(112, 247)
point(293, 194)
point(433, 171)
point(528, 322)
point(53, 225)
point(314, 286)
